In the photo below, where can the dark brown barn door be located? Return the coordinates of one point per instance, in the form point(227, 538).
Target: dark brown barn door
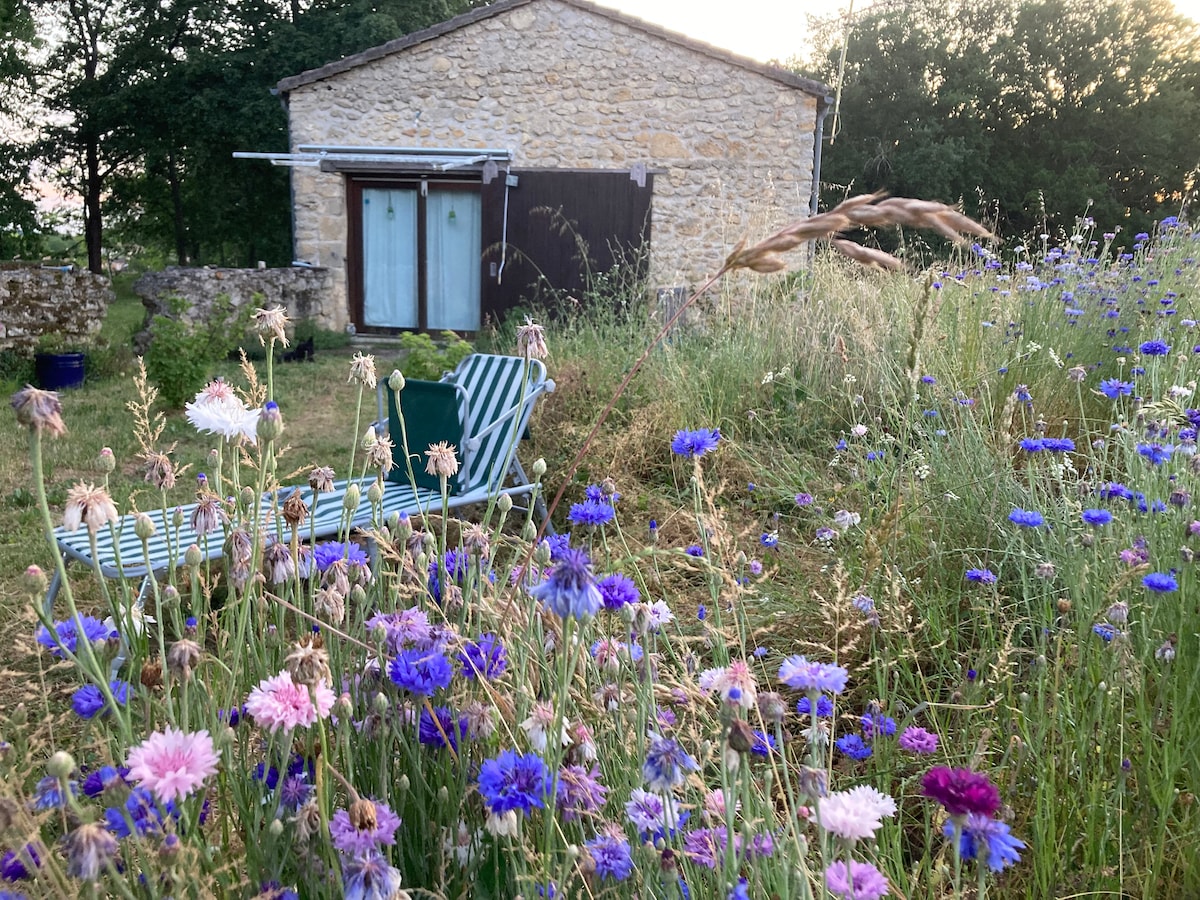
point(563, 227)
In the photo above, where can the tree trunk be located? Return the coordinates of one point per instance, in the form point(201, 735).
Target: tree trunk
point(181, 255)
point(92, 226)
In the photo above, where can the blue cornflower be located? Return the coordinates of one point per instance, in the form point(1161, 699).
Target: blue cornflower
point(610, 854)
point(420, 671)
point(428, 731)
point(616, 591)
point(1059, 445)
point(571, 590)
point(514, 782)
point(1022, 395)
point(327, 553)
point(695, 550)
point(875, 724)
point(88, 701)
point(980, 832)
point(15, 865)
point(1096, 516)
point(49, 794)
point(592, 513)
point(695, 443)
point(875, 455)
point(741, 890)
point(1160, 582)
point(802, 499)
point(95, 783)
point(824, 706)
point(1115, 489)
point(1033, 445)
point(1104, 631)
point(667, 764)
point(797, 672)
point(769, 539)
point(981, 576)
point(1114, 388)
point(928, 379)
point(1156, 454)
point(852, 745)
point(1154, 348)
point(140, 814)
point(483, 658)
point(763, 743)
point(68, 633)
point(558, 544)
point(1026, 518)
point(701, 612)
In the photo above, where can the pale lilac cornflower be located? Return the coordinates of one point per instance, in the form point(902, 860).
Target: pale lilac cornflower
point(650, 812)
point(364, 827)
point(865, 882)
point(915, 739)
point(579, 792)
point(797, 672)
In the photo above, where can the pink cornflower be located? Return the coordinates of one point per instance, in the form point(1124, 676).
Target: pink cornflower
point(856, 814)
point(541, 723)
point(734, 682)
point(172, 763)
point(279, 702)
point(918, 740)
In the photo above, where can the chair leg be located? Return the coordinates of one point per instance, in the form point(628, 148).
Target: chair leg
point(51, 593)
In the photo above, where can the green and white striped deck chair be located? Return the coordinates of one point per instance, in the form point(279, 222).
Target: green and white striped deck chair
point(494, 411)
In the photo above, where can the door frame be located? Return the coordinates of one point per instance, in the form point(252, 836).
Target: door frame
point(355, 277)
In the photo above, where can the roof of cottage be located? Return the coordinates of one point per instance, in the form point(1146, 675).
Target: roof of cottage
point(482, 13)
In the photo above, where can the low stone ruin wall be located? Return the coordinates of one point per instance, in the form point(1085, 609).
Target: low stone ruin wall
point(305, 292)
point(61, 301)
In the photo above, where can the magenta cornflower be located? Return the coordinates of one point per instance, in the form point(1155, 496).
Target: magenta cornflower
point(961, 791)
point(173, 764)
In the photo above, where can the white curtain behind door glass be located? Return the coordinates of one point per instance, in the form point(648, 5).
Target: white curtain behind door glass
point(389, 219)
point(453, 235)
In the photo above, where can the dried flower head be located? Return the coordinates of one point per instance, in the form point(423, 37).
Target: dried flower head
point(182, 657)
point(295, 510)
point(90, 848)
point(89, 505)
point(442, 460)
point(320, 479)
point(271, 323)
point(208, 514)
point(330, 604)
point(531, 340)
point(308, 664)
point(160, 471)
point(379, 454)
point(476, 540)
point(362, 370)
point(39, 411)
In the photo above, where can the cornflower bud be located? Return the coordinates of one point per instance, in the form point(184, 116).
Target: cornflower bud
point(270, 422)
point(143, 527)
point(106, 462)
point(396, 381)
point(60, 765)
point(353, 496)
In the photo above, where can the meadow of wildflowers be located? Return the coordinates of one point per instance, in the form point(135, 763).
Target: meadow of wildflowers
point(871, 586)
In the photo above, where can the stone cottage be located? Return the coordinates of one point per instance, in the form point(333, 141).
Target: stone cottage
point(446, 176)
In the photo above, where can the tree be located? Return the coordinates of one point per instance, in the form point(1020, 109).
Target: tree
point(1043, 109)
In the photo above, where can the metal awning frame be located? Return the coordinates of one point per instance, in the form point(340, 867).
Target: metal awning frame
point(440, 159)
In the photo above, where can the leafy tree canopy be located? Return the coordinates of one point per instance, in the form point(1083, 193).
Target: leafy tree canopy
point(1035, 112)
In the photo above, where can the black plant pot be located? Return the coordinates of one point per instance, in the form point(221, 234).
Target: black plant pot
point(56, 371)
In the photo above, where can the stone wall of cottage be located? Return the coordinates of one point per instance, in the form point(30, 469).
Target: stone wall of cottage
point(64, 302)
point(563, 87)
point(305, 293)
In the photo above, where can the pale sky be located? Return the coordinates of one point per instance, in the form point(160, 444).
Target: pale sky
point(760, 29)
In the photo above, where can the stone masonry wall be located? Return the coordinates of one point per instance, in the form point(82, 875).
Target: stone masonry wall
point(65, 302)
point(561, 86)
point(306, 293)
